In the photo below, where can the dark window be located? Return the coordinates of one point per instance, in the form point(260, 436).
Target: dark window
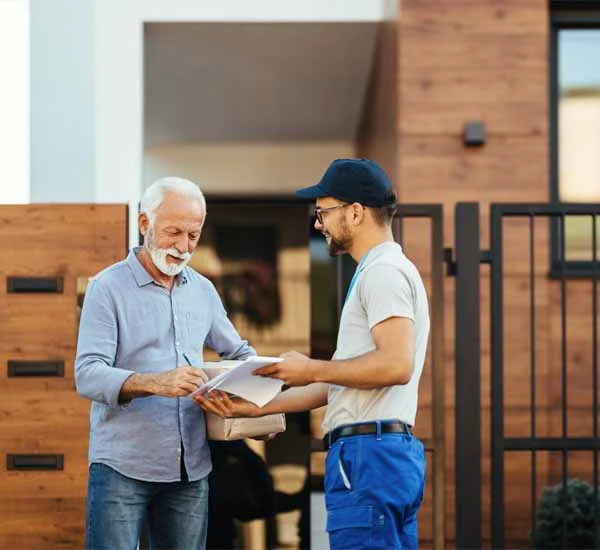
point(575, 130)
point(249, 283)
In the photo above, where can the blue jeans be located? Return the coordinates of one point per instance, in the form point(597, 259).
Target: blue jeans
point(177, 513)
point(373, 489)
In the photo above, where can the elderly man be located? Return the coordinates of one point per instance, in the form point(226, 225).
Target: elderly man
point(142, 319)
point(375, 468)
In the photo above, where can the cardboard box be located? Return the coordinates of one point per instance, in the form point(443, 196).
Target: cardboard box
point(229, 429)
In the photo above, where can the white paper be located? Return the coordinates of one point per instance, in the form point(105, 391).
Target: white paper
point(238, 379)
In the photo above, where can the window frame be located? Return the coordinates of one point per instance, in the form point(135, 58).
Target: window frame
point(565, 14)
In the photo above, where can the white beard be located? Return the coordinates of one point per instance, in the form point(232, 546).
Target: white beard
point(159, 257)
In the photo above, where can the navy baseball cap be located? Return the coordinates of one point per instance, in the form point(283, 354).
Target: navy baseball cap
point(353, 180)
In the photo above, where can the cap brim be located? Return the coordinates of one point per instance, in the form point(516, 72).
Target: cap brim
point(312, 192)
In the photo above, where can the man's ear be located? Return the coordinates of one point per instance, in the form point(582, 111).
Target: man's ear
point(143, 223)
point(358, 212)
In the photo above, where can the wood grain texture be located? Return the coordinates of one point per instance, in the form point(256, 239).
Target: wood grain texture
point(487, 60)
point(45, 509)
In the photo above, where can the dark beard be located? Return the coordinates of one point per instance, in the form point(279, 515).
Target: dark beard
point(339, 246)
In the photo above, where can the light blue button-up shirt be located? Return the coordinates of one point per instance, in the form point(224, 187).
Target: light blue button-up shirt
point(131, 324)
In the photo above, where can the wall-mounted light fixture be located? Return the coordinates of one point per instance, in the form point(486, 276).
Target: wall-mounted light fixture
point(474, 133)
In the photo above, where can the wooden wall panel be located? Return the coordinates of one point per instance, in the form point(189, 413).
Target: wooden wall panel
point(473, 60)
point(59, 243)
point(44, 415)
point(465, 60)
point(61, 525)
point(29, 334)
point(480, 60)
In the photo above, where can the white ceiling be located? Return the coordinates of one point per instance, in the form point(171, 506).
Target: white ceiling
point(240, 82)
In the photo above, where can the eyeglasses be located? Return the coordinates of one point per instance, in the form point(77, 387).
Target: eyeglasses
point(318, 212)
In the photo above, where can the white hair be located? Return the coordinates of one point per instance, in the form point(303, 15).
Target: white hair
point(154, 195)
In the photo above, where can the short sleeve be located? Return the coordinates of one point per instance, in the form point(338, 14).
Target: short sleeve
point(385, 292)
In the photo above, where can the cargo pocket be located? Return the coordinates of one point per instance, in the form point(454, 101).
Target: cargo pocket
point(353, 527)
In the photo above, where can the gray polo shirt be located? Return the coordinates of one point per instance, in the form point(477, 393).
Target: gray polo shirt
point(387, 285)
point(131, 324)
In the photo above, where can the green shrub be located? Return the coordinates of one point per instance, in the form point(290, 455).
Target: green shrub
point(579, 521)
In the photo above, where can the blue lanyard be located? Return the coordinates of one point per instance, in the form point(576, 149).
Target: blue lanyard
point(355, 276)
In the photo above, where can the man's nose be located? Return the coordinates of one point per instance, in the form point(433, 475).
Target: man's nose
point(182, 245)
point(318, 225)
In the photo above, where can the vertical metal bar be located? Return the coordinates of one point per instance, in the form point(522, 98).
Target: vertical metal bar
point(595, 368)
point(497, 378)
point(563, 354)
point(532, 351)
point(438, 383)
point(468, 377)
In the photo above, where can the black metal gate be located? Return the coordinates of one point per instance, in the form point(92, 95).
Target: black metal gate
point(540, 452)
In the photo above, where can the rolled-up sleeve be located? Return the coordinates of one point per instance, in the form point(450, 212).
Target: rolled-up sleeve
point(96, 377)
point(223, 337)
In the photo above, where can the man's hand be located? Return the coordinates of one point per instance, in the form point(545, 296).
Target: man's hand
point(178, 382)
point(221, 404)
point(295, 369)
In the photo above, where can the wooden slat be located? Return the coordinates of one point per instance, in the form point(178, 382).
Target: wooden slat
point(62, 526)
point(60, 248)
point(39, 325)
point(464, 17)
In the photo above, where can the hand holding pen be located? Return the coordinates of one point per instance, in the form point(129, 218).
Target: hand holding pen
point(200, 377)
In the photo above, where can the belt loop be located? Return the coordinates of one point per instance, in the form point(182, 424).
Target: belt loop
point(378, 423)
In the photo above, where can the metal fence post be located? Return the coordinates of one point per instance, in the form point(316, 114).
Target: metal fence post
point(467, 377)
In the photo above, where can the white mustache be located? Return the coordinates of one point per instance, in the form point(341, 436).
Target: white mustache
point(176, 254)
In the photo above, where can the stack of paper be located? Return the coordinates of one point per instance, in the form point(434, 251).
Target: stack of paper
point(236, 377)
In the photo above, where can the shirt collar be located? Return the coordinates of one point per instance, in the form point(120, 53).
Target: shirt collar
point(182, 278)
point(142, 277)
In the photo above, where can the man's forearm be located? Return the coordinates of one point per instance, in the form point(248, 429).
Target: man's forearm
point(375, 369)
point(298, 400)
point(137, 385)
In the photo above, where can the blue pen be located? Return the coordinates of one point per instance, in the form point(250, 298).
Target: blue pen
point(187, 359)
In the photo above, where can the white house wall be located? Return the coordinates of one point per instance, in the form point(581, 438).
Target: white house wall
point(87, 85)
